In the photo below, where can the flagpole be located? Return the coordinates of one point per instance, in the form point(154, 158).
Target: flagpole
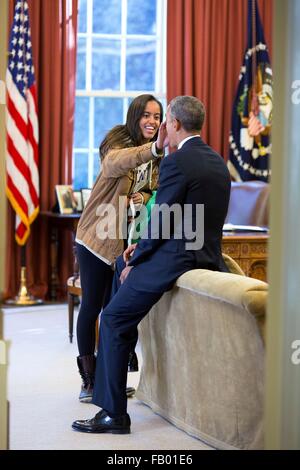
point(254, 100)
point(24, 298)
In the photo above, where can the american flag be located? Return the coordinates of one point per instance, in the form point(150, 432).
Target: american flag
point(22, 126)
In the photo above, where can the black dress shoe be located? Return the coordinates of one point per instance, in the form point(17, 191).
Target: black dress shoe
point(104, 424)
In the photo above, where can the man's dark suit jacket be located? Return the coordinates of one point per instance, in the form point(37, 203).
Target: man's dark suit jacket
point(193, 175)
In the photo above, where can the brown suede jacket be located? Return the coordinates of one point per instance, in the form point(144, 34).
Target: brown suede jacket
point(117, 178)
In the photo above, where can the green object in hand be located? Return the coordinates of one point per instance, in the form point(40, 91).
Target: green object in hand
point(141, 225)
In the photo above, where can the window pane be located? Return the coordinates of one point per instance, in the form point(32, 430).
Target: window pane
point(108, 113)
point(107, 16)
point(140, 65)
point(82, 16)
point(81, 132)
point(97, 166)
point(106, 64)
point(81, 60)
point(80, 170)
point(141, 17)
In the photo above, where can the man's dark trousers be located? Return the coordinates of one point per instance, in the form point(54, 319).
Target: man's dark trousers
point(118, 330)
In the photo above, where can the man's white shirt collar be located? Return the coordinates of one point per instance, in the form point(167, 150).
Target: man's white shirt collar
point(186, 139)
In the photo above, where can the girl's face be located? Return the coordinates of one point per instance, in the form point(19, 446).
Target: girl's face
point(150, 120)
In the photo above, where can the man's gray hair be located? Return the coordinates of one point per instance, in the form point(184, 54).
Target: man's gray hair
point(189, 111)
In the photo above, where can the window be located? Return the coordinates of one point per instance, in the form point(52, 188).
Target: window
point(120, 54)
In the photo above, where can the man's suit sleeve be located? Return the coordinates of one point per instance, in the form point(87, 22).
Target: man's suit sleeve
point(171, 190)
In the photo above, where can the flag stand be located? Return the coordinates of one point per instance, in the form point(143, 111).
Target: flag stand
point(23, 298)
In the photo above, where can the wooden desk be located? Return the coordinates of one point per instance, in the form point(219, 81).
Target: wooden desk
point(59, 222)
point(249, 250)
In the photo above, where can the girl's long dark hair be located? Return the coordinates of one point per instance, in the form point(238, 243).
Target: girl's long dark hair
point(129, 134)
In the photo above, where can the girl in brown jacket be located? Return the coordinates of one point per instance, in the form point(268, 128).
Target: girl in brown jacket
point(130, 162)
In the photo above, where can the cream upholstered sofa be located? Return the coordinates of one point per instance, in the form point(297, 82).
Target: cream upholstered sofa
point(203, 358)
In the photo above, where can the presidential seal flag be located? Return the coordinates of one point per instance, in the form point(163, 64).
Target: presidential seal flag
point(250, 144)
point(22, 185)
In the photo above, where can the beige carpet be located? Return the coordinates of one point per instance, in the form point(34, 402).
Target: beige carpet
point(43, 387)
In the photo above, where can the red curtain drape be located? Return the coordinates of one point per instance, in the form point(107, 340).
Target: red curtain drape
point(206, 41)
point(53, 29)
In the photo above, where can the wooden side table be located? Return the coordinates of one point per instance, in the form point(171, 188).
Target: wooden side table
point(249, 250)
point(59, 222)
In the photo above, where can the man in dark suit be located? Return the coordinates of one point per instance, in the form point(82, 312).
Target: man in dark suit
point(195, 183)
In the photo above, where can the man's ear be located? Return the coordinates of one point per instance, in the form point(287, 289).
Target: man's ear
point(177, 125)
